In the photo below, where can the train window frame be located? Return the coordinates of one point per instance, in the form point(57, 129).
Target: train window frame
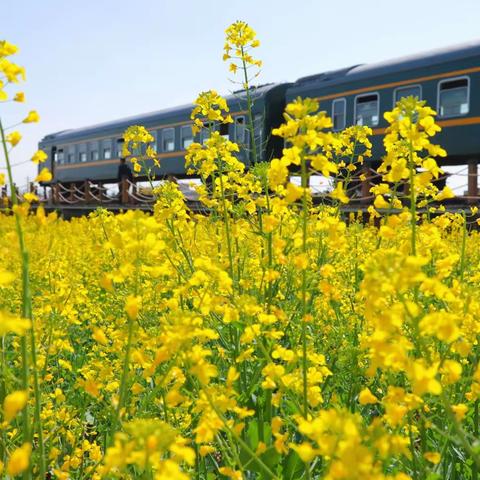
point(258, 127)
point(224, 130)
point(395, 90)
point(204, 133)
point(119, 147)
point(335, 101)
point(355, 101)
point(186, 128)
point(164, 132)
point(245, 130)
point(71, 158)
point(94, 155)
point(453, 79)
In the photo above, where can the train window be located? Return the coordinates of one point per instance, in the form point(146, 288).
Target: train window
point(258, 133)
point(156, 142)
point(107, 153)
point(339, 114)
point(71, 154)
point(224, 130)
point(82, 156)
point(94, 155)
point(241, 130)
point(367, 109)
point(168, 140)
point(60, 156)
point(205, 132)
point(409, 91)
point(453, 97)
point(120, 142)
point(186, 136)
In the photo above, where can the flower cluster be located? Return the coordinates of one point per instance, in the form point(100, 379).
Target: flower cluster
point(209, 107)
point(137, 145)
point(240, 40)
point(411, 157)
point(270, 338)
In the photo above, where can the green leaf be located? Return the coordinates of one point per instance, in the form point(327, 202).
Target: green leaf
point(293, 467)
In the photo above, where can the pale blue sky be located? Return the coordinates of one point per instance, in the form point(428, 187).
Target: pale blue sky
point(92, 61)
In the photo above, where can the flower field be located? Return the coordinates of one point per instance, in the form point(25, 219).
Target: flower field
point(270, 339)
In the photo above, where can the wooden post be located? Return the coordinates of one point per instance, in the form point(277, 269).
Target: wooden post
point(365, 189)
point(472, 180)
point(55, 193)
point(88, 197)
point(124, 190)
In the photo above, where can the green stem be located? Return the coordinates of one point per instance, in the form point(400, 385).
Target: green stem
point(251, 127)
point(304, 285)
point(123, 381)
point(227, 229)
point(464, 242)
point(413, 203)
point(26, 313)
point(475, 432)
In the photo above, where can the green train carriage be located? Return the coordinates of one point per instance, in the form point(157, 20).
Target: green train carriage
point(448, 80)
point(94, 152)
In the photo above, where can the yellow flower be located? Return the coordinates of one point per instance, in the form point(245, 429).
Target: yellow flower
point(2, 179)
point(380, 202)
point(13, 403)
point(44, 176)
point(423, 378)
point(339, 193)
point(459, 411)
point(447, 192)
point(19, 460)
point(7, 48)
point(366, 397)
point(14, 138)
point(19, 97)
point(204, 450)
point(209, 106)
point(30, 197)
point(305, 451)
point(6, 277)
point(230, 473)
point(432, 457)
point(132, 306)
point(12, 324)
point(39, 157)
point(99, 336)
point(451, 371)
point(293, 193)
point(32, 117)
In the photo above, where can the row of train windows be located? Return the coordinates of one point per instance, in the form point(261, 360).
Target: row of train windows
point(453, 100)
point(165, 141)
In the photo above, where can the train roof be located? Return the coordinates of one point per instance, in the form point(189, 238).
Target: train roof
point(147, 119)
point(401, 64)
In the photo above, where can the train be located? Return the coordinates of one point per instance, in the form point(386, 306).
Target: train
point(447, 79)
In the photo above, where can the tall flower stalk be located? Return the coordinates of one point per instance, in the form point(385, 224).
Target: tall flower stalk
point(13, 73)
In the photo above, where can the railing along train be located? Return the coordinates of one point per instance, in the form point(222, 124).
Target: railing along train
point(131, 194)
